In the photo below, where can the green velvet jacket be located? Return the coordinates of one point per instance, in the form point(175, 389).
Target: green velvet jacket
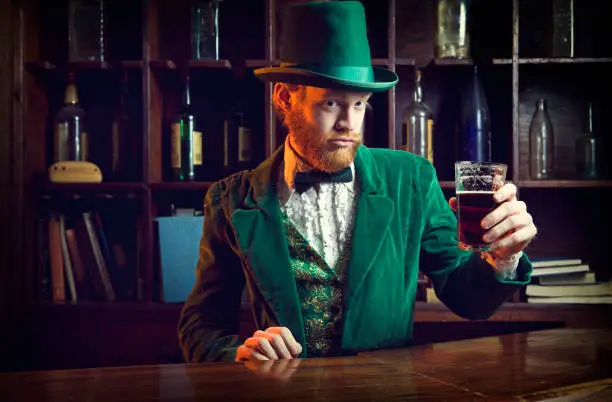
point(403, 224)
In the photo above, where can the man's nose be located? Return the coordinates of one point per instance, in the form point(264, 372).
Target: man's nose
point(347, 121)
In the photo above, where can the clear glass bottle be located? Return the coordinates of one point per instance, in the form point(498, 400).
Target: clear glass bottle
point(70, 138)
point(563, 28)
point(452, 37)
point(541, 143)
point(417, 123)
point(86, 30)
point(589, 155)
point(205, 41)
point(475, 123)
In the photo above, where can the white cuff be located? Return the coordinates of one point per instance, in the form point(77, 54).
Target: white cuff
point(505, 269)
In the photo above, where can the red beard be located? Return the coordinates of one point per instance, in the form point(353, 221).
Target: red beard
point(315, 148)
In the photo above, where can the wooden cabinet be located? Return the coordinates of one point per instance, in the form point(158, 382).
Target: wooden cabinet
point(149, 53)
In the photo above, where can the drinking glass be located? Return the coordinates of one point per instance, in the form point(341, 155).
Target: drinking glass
point(475, 184)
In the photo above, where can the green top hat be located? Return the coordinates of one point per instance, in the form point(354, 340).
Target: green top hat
point(325, 44)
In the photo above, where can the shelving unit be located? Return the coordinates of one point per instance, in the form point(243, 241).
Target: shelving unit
point(157, 49)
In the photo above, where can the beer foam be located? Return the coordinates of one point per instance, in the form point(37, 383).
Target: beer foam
point(476, 192)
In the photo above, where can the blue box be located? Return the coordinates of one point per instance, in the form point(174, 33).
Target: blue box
point(179, 241)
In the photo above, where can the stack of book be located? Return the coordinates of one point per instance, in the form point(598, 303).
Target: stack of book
point(566, 280)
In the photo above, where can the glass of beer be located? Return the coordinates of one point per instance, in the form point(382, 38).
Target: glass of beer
point(475, 184)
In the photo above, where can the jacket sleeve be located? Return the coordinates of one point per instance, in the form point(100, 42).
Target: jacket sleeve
point(209, 322)
point(462, 279)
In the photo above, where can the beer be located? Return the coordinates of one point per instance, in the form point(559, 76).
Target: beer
point(472, 207)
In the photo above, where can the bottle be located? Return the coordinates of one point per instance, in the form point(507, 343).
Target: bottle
point(86, 30)
point(417, 123)
point(563, 28)
point(70, 137)
point(186, 140)
point(452, 37)
point(237, 141)
point(474, 141)
point(120, 132)
point(205, 41)
point(541, 143)
point(589, 151)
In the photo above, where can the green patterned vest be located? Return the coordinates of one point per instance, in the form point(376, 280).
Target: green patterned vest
point(320, 291)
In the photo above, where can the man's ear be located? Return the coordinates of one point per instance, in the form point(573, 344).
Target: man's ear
point(282, 96)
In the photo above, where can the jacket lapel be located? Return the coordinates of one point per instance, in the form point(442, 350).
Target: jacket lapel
point(373, 216)
point(263, 242)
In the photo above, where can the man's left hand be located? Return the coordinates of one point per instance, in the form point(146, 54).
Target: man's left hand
point(509, 226)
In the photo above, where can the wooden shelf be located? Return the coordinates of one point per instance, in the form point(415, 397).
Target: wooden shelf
point(502, 61)
point(565, 183)
point(48, 189)
point(578, 314)
point(258, 63)
point(42, 65)
point(423, 312)
point(192, 64)
point(453, 62)
point(174, 186)
point(564, 60)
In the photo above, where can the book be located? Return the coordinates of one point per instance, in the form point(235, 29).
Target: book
point(546, 262)
point(574, 278)
point(571, 300)
point(556, 270)
point(597, 289)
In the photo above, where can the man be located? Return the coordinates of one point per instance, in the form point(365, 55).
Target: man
point(328, 235)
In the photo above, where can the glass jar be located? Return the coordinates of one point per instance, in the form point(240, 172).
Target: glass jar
point(452, 37)
point(205, 41)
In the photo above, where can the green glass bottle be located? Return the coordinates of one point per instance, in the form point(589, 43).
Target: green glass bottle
point(186, 141)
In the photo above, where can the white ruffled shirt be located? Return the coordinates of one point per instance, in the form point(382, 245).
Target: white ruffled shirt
point(324, 214)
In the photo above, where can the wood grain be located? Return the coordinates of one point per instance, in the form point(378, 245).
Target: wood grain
point(511, 365)
point(505, 367)
point(6, 96)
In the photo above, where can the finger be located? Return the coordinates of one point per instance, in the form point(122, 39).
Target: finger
point(506, 193)
point(261, 343)
point(511, 223)
point(294, 346)
point(255, 355)
point(245, 353)
point(521, 236)
point(502, 212)
point(278, 343)
point(453, 203)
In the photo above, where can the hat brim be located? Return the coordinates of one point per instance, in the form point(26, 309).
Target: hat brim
point(384, 79)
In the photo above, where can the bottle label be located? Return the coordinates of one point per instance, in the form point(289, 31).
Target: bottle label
point(197, 148)
point(175, 144)
point(244, 144)
point(226, 143)
point(430, 155)
point(60, 142)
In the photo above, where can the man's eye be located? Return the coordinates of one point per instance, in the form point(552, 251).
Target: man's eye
point(330, 104)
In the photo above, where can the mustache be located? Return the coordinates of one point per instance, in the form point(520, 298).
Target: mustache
point(352, 135)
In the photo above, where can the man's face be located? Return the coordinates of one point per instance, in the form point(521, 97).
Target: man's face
point(325, 126)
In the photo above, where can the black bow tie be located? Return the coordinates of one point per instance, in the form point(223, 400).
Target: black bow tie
point(304, 180)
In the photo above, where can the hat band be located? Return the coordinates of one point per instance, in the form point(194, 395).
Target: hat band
point(364, 74)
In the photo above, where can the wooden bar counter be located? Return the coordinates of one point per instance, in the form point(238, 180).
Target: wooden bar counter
point(554, 365)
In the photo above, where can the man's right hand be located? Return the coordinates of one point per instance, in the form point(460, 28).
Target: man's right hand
point(274, 343)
